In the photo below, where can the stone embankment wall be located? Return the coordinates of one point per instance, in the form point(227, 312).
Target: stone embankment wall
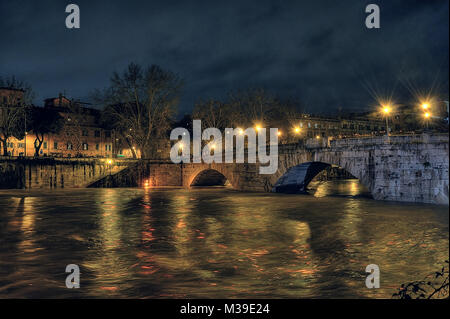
point(27, 173)
point(143, 173)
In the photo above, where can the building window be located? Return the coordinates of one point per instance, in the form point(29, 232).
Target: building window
point(11, 145)
point(21, 145)
point(107, 134)
point(85, 133)
point(97, 133)
point(45, 145)
point(55, 145)
point(301, 124)
point(309, 125)
point(97, 146)
point(69, 146)
point(107, 147)
point(85, 146)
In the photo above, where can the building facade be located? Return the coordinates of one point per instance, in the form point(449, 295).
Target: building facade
point(82, 134)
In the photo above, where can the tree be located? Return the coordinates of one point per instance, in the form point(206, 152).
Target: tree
point(139, 105)
point(13, 106)
point(435, 286)
point(213, 113)
point(44, 121)
point(246, 109)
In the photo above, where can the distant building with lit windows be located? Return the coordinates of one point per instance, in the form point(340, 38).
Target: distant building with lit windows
point(82, 134)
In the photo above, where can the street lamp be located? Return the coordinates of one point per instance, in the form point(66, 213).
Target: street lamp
point(110, 162)
point(425, 105)
point(386, 111)
point(427, 116)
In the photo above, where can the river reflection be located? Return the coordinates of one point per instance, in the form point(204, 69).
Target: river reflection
point(216, 243)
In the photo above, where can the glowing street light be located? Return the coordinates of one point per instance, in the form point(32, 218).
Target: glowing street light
point(427, 116)
point(258, 128)
point(279, 133)
point(425, 105)
point(386, 111)
point(241, 131)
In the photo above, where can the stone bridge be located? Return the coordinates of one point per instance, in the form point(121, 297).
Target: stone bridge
point(410, 168)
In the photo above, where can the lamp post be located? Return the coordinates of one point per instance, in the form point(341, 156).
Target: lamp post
point(427, 116)
point(110, 162)
point(386, 111)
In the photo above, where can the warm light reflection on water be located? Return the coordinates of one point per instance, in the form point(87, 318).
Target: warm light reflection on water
point(164, 243)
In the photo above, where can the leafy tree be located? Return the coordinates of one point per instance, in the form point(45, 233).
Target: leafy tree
point(139, 105)
point(44, 121)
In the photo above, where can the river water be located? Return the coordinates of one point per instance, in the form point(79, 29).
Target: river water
point(215, 243)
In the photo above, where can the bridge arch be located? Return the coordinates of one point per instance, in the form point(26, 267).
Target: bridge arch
point(208, 175)
point(295, 178)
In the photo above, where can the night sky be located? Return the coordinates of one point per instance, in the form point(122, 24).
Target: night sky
point(319, 52)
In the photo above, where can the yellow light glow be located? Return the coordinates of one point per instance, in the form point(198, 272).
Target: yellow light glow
point(180, 145)
point(257, 128)
point(279, 133)
point(297, 130)
point(240, 131)
point(317, 136)
point(427, 115)
point(109, 162)
point(425, 105)
point(386, 109)
point(213, 146)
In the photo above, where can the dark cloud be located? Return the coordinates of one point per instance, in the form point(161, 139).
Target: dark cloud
point(317, 51)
